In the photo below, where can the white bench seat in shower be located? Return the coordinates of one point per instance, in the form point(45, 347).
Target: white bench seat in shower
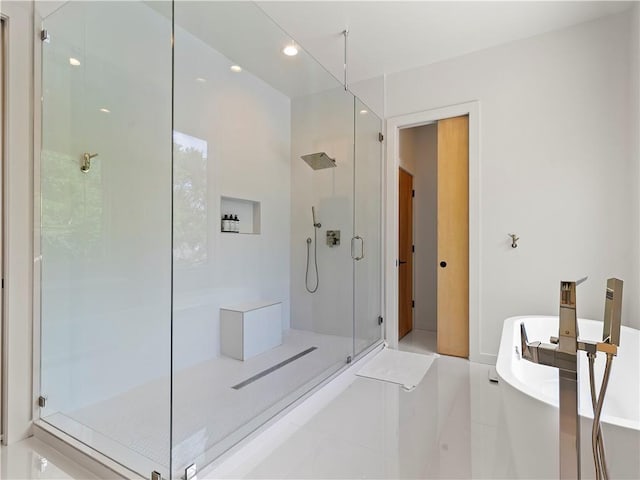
point(250, 329)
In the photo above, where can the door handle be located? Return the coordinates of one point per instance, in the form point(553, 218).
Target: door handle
point(401, 262)
point(361, 256)
point(443, 264)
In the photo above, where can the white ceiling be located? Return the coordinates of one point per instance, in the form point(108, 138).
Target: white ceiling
point(391, 36)
point(385, 36)
point(240, 31)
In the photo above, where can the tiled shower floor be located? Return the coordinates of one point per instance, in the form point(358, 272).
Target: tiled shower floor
point(206, 409)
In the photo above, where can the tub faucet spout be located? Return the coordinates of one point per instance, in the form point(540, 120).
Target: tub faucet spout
point(529, 349)
point(536, 352)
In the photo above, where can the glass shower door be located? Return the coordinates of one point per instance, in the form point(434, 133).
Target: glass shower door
point(367, 243)
point(254, 327)
point(105, 229)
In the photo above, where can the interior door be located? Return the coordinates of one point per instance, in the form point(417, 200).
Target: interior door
point(453, 236)
point(405, 255)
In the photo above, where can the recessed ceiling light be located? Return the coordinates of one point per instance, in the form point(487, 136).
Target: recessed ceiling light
point(105, 110)
point(236, 68)
point(290, 50)
point(74, 61)
point(364, 112)
point(200, 79)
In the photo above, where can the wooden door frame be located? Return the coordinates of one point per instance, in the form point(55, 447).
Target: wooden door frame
point(394, 125)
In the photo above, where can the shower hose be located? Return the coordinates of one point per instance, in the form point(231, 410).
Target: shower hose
point(597, 442)
point(315, 261)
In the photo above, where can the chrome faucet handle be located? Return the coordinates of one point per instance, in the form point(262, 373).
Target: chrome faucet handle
point(537, 352)
point(529, 349)
point(568, 331)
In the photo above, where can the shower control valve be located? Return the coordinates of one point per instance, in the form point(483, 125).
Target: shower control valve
point(333, 238)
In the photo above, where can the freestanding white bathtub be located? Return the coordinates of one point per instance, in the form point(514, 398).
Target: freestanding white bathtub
point(530, 397)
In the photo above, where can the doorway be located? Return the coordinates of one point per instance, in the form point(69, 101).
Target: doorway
point(433, 237)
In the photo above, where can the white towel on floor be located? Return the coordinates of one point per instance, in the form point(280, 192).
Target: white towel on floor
point(404, 368)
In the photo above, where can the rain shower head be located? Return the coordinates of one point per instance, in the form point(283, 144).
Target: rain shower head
point(319, 160)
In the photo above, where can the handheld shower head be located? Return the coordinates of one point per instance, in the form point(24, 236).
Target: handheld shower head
point(313, 214)
point(613, 311)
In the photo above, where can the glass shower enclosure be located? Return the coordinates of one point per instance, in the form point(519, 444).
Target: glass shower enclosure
point(197, 275)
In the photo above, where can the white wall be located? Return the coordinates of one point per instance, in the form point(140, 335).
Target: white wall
point(322, 122)
point(406, 156)
point(555, 165)
point(107, 272)
point(425, 236)
point(106, 234)
point(246, 125)
point(634, 123)
point(347, 198)
point(17, 197)
point(371, 93)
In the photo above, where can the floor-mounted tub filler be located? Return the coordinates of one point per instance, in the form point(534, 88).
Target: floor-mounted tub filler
point(567, 443)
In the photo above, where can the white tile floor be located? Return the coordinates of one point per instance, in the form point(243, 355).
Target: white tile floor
point(450, 426)
point(419, 341)
point(32, 458)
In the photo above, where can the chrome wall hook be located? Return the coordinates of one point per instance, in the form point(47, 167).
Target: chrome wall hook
point(85, 164)
point(514, 240)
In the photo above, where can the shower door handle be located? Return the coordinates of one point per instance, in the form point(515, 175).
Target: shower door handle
point(357, 237)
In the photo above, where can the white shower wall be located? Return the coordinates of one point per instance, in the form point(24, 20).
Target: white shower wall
point(107, 263)
point(106, 234)
point(246, 125)
point(322, 122)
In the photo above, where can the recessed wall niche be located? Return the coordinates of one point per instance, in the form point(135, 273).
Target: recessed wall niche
point(247, 211)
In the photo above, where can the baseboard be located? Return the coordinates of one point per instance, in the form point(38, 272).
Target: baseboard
point(95, 462)
point(486, 358)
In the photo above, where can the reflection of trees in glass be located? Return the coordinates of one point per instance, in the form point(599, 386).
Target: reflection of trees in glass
point(189, 199)
point(72, 205)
